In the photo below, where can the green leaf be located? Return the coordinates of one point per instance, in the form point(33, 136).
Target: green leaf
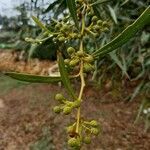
point(32, 78)
point(99, 2)
point(113, 14)
point(137, 90)
point(65, 77)
point(140, 110)
point(118, 62)
point(126, 35)
point(40, 24)
point(51, 6)
point(72, 8)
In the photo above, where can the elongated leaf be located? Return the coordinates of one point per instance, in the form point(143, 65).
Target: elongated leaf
point(51, 6)
point(99, 2)
point(65, 77)
point(126, 35)
point(32, 78)
point(140, 110)
point(137, 90)
point(72, 8)
point(118, 62)
point(40, 24)
point(112, 14)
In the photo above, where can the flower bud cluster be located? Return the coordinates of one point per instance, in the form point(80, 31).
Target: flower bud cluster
point(87, 129)
point(74, 142)
point(97, 27)
point(65, 31)
point(65, 106)
point(91, 127)
point(76, 58)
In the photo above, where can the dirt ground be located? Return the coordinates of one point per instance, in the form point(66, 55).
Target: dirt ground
point(28, 123)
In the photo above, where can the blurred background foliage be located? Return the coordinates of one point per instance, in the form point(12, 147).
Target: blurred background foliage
point(130, 63)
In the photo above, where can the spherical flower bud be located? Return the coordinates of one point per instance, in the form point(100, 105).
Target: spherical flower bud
point(57, 26)
point(87, 67)
point(97, 27)
point(70, 129)
point(80, 53)
point(96, 35)
point(61, 39)
point(74, 142)
point(57, 109)
point(74, 62)
point(76, 103)
point(65, 27)
point(91, 13)
point(99, 22)
point(89, 59)
point(94, 18)
point(66, 61)
point(94, 123)
point(88, 9)
point(59, 97)
point(70, 50)
point(87, 140)
point(67, 110)
point(95, 131)
point(104, 24)
point(106, 29)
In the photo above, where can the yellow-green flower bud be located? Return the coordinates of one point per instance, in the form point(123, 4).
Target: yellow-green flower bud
point(74, 142)
point(87, 140)
point(70, 50)
point(96, 35)
point(94, 123)
point(105, 24)
point(106, 29)
point(69, 103)
point(61, 39)
point(57, 26)
point(99, 22)
point(89, 59)
point(59, 97)
point(57, 109)
point(66, 61)
point(70, 129)
point(87, 67)
point(67, 110)
point(65, 27)
point(97, 27)
point(80, 53)
point(88, 9)
point(94, 18)
point(95, 131)
point(74, 62)
point(76, 103)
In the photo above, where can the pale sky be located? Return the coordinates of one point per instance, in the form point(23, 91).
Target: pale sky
point(6, 6)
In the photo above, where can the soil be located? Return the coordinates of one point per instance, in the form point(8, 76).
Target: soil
point(26, 117)
point(10, 60)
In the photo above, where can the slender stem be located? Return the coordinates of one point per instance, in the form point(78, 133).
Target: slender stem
point(80, 94)
point(81, 89)
point(81, 76)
